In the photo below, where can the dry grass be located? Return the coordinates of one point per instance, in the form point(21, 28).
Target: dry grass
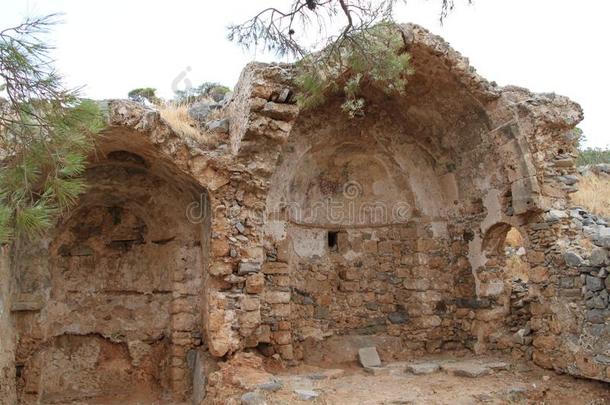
point(594, 194)
point(176, 115)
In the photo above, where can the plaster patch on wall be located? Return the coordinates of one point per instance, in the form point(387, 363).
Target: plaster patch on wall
point(491, 289)
point(379, 187)
point(276, 230)
point(309, 242)
point(491, 202)
point(439, 229)
point(423, 181)
point(477, 259)
point(351, 255)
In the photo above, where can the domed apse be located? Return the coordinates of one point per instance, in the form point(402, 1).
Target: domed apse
point(368, 208)
point(125, 283)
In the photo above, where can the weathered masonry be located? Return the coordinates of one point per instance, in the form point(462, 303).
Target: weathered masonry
point(298, 231)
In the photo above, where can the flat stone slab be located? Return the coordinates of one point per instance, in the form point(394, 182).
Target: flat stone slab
point(253, 398)
point(344, 348)
point(330, 374)
point(422, 368)
point(306, 395)
point(466, 369)
point(398, 364)
point(498, 365)
point(271, 386)
point(397, 367)
point(369, 357)
point(377, 370)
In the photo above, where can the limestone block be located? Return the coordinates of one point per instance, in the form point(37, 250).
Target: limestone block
point(275, 268)
point(277, 297)
point(466, 369)
point(422, 368)
point(250, 303)
point(255, 283)
point(282, 337)
point(245, 268)
point(368, 357)
point(221, 269)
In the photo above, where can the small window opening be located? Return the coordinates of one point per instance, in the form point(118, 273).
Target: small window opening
point(19, 370)
point(332, 240)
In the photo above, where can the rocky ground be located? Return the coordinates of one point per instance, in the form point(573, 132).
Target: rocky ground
point(434, 380)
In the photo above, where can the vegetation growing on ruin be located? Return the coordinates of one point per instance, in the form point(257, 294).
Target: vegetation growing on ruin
point(374, 57)
point(368, 50)
point(46, 132)
point(213, 90)
point(205, 91)
point(593, 194)
point(144, 94)
point(177, 117)
point(589, 155)
point(592, 156)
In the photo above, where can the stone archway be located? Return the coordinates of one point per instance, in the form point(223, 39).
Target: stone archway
point(123, 289)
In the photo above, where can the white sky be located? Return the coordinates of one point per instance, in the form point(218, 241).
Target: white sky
point(113, 46)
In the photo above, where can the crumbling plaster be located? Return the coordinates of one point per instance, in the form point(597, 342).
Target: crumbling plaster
point(460, 153)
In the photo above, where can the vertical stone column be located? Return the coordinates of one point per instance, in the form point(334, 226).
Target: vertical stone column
point(261, 113)
point(185, 324)
point(276, 300)
point(7, 341)
point(219, 299)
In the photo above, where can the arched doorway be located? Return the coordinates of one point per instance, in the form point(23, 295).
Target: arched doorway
point(505, 250)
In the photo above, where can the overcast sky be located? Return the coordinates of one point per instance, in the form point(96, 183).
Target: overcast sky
point(113, 46)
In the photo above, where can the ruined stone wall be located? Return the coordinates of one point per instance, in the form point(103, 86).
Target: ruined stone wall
point(514, 171)
point(568, 317)
point(190, 247)
point(399, 284)
point(114, 297)
point(436, 151)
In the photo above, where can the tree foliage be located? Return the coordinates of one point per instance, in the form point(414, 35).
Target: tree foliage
point(144, 94)
point(45, 133)
point(213, 90)
point(367, 50)
point(592, 156)
point(374, 57)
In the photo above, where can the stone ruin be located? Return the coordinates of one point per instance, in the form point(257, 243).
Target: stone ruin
point(305, 234)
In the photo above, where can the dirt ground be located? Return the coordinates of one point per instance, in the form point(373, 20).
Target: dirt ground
point(516, 382)
point(521, 383)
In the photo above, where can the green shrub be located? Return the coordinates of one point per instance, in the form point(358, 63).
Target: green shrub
point(143, 94)
point(591, 156)
point(212, 90)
